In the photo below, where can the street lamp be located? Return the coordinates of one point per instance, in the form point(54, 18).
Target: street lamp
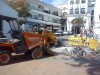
point(69, 23)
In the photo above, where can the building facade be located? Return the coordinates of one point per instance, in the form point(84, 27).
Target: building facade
point(96, 28)
point(97, 14)
point(6, 10)
point(44, 14)
point(79, 8)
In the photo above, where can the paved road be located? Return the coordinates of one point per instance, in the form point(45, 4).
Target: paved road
point(53, 65)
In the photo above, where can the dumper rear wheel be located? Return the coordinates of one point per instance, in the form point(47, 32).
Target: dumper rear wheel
point(37, 53)
point(5, 57)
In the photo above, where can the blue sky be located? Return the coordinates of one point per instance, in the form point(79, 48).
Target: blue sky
point(55, 2)
point(48, 1)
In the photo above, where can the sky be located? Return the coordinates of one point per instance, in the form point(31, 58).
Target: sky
point(55, 2)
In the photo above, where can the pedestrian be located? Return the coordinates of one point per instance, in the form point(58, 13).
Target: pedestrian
point(81, 34)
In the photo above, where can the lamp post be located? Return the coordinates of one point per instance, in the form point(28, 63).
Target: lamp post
point(64, 18)
point(69, 23)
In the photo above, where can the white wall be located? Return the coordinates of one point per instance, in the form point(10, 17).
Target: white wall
point(80, 5)
point(64, 8)
point(96, 28)
point(7, 11)
point(85, 17)
point(48, 18)
point(97, 13)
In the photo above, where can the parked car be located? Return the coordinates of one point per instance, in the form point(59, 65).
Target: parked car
point(65, 33)
point(59, 33)
point(69, 32)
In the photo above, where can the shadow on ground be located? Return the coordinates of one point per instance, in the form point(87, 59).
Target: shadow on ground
point(22, 58)
point(93, 66)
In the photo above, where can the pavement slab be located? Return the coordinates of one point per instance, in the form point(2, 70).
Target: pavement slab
point(54, 65)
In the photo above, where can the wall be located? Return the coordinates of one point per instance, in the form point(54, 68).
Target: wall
point(96, 27)
point(50, 15)
point(85, 17)
point(7, 11)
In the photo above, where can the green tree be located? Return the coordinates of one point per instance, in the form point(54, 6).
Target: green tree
point(78, 21)
point(22, 7)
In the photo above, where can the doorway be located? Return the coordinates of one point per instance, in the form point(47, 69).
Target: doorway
point(76, 29)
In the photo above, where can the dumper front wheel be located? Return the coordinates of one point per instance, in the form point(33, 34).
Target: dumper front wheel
point(37, 53)
point(5, 57)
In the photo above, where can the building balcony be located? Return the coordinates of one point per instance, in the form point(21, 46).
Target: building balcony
point(43, 22)
point(44, 13)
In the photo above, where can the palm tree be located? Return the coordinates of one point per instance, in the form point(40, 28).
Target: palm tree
point(78, 21)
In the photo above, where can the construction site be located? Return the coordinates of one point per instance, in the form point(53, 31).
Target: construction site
point(40, 51)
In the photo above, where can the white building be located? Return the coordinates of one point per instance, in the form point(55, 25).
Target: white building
point(79, 8)
point(44, 14)
point(6, 11)
point(96, 27)
point(97, 14)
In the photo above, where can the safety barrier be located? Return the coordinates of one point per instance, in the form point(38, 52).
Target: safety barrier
point(93, 44)
point(77, 41)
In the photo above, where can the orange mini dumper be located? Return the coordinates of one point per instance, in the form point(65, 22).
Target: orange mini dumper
point(22, 42)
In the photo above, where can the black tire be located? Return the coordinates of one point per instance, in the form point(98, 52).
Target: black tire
point(27, 54)
point(37, 53)
point(5, 57)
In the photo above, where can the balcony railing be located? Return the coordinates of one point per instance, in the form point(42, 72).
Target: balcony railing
point(42, 19)
point(45, 11)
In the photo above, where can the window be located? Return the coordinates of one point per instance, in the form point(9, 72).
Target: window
point(46, 10)
point(71, 2)
point(41, 8)
point(46, 18)
point(82, 10)
point(77, 1)
point(83, 1)
point(99, 16)
point(50, 19)
point(77, 11)
point(34, 6)
point(56, 20)
point(40, 16)
point(34, 15)
point(55, 13)
point(71, 11)
point(91, 5)
point(91, 0)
